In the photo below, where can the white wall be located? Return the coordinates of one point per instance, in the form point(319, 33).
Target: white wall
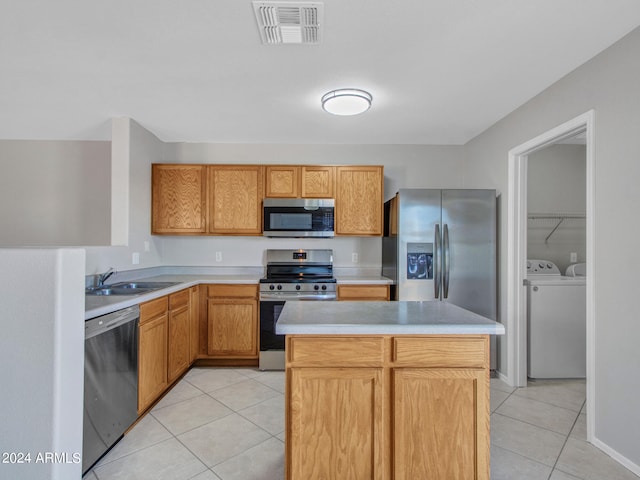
point(134, 150)
point(42, 358)
point(556, 183)
point(608, 84)
point(54, 193)
point(406, 166)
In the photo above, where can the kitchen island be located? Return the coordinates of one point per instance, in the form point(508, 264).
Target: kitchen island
point(381, 390)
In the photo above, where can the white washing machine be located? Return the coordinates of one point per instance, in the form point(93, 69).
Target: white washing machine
point(556, 322)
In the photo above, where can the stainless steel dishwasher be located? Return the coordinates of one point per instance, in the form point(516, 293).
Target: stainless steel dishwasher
point(110, 381)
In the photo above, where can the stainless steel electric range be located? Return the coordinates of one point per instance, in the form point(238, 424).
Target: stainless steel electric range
point(292, 276)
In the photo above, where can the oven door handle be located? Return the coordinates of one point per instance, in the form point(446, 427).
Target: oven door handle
point(283, 297)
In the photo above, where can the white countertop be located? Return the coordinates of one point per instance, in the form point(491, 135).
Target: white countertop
point(382, 318)
point(101, 305)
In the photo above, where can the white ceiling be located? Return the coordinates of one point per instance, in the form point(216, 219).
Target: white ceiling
point(440, 71)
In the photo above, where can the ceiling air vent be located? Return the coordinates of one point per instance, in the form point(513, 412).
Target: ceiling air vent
point(289, 22)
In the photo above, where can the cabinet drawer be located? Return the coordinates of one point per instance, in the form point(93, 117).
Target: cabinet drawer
point(441, 351)
point(363, 292)
point(153, 308)
point(335, 351)
point(232, 290)
point(179, 299)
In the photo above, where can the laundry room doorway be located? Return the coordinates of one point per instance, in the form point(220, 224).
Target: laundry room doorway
point(556, 247)
point(549, 238)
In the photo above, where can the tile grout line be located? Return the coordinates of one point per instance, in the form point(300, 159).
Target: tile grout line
point(150, 412)
point(237, 412)
point(565, 442)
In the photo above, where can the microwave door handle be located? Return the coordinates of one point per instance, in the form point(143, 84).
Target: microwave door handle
point(436, 268)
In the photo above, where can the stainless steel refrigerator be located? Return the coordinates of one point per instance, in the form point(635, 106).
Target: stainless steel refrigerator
point(441, 245)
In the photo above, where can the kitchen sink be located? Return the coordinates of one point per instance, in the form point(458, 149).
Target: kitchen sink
point(143, 285)
point(128, 288)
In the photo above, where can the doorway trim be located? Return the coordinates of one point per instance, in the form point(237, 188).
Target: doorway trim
point(517, 248)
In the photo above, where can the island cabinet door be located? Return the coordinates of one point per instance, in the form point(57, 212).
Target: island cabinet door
point(336, 424)
point(440, 424)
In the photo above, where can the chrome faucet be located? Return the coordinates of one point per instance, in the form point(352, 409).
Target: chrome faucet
point(102, 277)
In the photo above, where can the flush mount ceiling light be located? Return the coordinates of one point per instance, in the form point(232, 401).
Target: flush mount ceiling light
point(346, 101)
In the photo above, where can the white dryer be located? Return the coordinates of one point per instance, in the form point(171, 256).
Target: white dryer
point(556, 322)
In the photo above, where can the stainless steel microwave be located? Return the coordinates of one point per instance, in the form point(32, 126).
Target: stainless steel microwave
point(298, 217)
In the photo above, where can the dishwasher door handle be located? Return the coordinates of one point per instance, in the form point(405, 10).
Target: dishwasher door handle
point(104, 323)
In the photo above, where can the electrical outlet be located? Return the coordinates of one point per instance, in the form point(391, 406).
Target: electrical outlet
point(218, 256)
point(135, 258)
point(573, 257)
point(147, 246)
point(354, 257)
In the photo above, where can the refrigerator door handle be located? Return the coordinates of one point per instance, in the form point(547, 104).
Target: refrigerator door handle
point(436, 273)
point(446, 261)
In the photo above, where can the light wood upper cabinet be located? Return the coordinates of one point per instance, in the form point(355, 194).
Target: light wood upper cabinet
point(227, 199)
point(235, 199)
point(359, 200)
point(393, 217)
point(282, 181)
point(178, 199)
point(317, 181)
point(299, 181)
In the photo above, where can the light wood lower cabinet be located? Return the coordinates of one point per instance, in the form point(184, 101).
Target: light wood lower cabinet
point(363, 292)
point(232, 321)
point(194, 319)
point(164, 351)
point(380, 407)
point(440, 438)
point(331, 441)
point(179, 341)
point(152, 351)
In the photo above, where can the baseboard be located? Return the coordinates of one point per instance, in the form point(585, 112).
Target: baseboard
point(621, 459)
point(503, 377)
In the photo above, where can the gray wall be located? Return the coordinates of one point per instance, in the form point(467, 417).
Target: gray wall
point(556, 183)
point(609, 84)
point(55, 193)
point(42, 358)
point(134, 149)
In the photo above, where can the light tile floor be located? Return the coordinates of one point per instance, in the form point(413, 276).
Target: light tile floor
point(228, 424)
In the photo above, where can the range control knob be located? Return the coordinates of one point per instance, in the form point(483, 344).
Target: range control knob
point(297, 287)
point(279, 287)
point(272, 287)
point(324, 287)
point(316, 287)
point(541, 265)
point(548, 265)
